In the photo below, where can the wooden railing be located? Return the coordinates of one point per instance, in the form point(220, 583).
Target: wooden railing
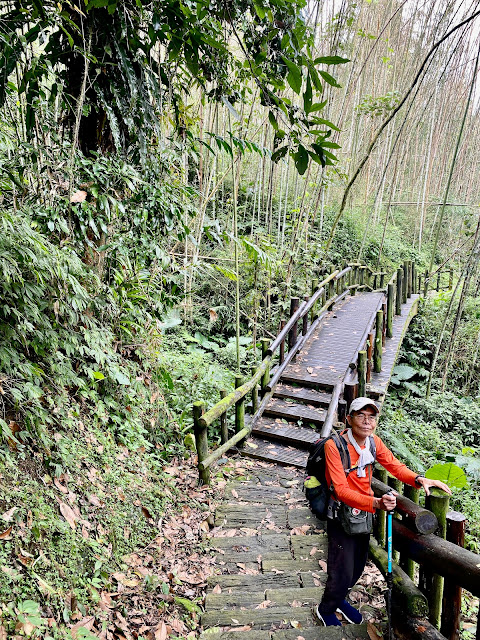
point(433, 567)
point(440, 280)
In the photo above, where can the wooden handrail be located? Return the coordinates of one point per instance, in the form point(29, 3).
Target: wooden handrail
point(332, 411)
point(233, 397)
point(423, 520)
point(439, 555)
point(218, 453)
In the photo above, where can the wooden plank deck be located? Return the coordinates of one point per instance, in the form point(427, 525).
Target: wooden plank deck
point(325, 358)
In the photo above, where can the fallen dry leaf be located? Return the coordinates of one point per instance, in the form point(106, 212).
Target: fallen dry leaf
point(372, 632)
point(217, 589)
point(6, 534)
point(300, 531)
point(234, 493)
point(264, 604)
point(8, 515)
point(161, 632)
point(60, 486)
point(87, 623)
point(78, 196)
point(68, 513)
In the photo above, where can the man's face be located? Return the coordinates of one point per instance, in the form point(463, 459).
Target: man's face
point(362, 423)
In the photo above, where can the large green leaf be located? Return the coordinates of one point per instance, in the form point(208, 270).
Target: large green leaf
point(301, 159)
point(404, 372)
point(294, 77)
point(449, 473)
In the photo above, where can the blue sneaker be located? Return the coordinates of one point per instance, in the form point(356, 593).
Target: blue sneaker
point(328, 619)
point(350, 614)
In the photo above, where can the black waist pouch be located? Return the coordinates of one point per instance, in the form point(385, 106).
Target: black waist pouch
point(354, 521)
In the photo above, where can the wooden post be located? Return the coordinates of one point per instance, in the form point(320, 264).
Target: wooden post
point(314, 308)
point(405, 282)
point(382, 475)
point(398, 301)
point(201, 441)
point(452, 595)
point(239, 407)
point(370, 343)
point(425, 284)
point(437, 502)
point(292, 335)
point(410, 279)
point(384, 323)
point(305, 319)
point(450, 279)
point(382, 280)
point(362, 372)
point(407, 564)
point(223, 421)
point(265, 342)
point(378, 347)
point(281, 356)
point(254, 394)
point(390, 305)
point(414, 278)
point(419, 283)
point(353, 280)
point(349, 394)
point(342, 411)
point(331, 285)
point(438, 280)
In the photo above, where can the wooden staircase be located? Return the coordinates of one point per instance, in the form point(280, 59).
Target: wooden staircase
point(290, 423)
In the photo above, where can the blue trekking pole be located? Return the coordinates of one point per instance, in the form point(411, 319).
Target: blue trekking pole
point(389, 572)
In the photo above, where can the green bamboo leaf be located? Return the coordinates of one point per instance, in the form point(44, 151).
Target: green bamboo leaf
point(307, 96)
point(330, 79)
point(331, 60)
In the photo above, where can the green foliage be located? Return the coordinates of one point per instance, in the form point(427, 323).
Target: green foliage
point(209, 44)
point(449, 473)
point(379, 106)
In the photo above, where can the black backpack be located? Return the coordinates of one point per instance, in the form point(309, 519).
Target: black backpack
point(319, 497)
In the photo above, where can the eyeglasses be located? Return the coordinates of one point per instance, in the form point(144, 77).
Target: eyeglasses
point(366, 417)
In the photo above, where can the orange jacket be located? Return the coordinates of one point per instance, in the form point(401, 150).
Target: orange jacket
point(354, 491)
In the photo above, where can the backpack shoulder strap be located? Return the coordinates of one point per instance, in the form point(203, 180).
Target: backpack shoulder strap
point(343, 450)
point(373, 447)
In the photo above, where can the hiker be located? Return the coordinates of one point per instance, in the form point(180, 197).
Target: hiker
point(350, 516)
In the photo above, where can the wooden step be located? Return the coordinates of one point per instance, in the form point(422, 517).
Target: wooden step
point(346, 632)
point(286, 433)
point(293, 412)
point(287, 456)
point(303, 395)
point(305, 379)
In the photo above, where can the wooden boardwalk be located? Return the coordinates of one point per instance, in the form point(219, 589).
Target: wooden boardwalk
point(270, 549)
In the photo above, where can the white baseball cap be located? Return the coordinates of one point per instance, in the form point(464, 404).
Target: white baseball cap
point(360, 403)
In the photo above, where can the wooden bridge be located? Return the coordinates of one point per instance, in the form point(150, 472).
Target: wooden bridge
point(270, 549)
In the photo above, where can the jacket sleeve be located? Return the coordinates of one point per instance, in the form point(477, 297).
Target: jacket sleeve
point(343, 492)
point(386, 458)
